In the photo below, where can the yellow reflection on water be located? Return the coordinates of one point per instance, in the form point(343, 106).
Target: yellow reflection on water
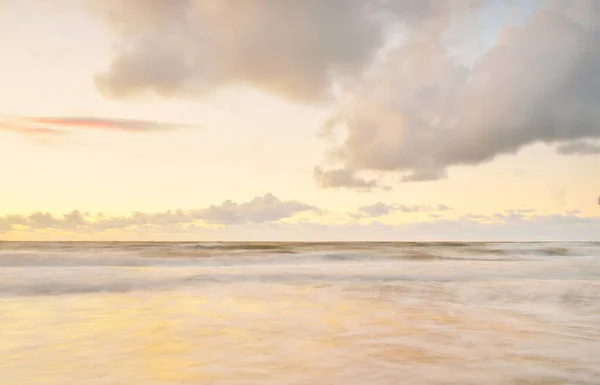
point(250, 335)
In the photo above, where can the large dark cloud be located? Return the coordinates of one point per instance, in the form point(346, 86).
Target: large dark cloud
point(290, 47)
point(192, 46)
point(415, 111)
point(421, 112)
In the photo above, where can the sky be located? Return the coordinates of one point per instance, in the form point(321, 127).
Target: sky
point(299, 120)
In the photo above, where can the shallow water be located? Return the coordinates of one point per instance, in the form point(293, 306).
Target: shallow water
point(223, 313)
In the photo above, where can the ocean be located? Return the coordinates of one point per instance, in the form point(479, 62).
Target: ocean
point(299, 313)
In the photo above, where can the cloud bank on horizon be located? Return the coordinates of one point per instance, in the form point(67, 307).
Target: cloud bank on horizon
point(268, 215)
point(412, 108)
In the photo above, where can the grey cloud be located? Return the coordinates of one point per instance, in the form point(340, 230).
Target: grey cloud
point(554, 227)
point(161, 219)
point(346, 178)
point(298, 49)
point(522, 211)
point(565, 227)
point(380, 209)
point(578, 148)
point(512, 216)
point(473, 217)
point(41, 220)
point(424, 175)
point(416, 112)
point(267, 208)
point(193, 46)
point(375, 210)
point(421, 112)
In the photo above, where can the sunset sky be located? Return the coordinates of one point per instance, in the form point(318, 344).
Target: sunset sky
point(299, 120)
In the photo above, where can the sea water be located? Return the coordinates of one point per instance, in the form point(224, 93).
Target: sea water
point(299, 313)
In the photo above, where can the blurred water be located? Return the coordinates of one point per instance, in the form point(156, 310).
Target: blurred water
point(222, 313)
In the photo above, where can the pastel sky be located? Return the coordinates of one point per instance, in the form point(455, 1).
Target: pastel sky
point(299, 120)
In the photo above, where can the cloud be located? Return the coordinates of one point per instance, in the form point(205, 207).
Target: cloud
point(522, 211)
point(579, 147)
point(421, 111)
point(380, 209)
point(425, 175)
point(22, 126)
point(40, 220)
point(294, 48)
point(267, 208)
point(50, 126)
point(405, 95)
point(554, 227)
point(344, 178)
point(130, 125)
point(298, 49)
point(173, 225)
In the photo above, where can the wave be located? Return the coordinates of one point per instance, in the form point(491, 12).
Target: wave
point(240, 253)
point(562, 285)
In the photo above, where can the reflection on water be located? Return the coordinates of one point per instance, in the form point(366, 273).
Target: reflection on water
point(441, 322)
point(288, 334)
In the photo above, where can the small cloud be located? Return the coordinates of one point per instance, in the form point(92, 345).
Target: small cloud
point(380, 209)
point(267, 208)
point(428, 175)
point(22, 127)
point(522, 211)
point(473, 217)
point(511, 216)
point(579, 147)
point(345, 178)
point(129, 125)
point(51, 126)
